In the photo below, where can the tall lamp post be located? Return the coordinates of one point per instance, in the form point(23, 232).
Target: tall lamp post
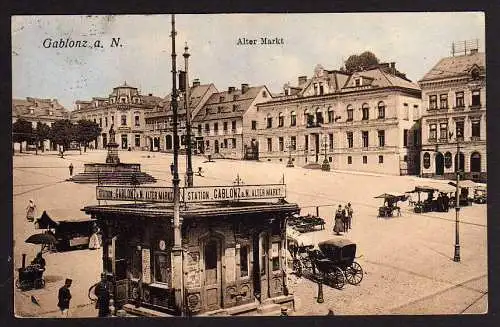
point(290, 162)
point(326, 165)
point(177, 248)
point(189, 170)
point(456, 256)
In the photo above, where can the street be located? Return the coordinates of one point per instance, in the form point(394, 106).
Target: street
point(407, 260)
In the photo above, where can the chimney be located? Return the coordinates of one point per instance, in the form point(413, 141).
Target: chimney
point(196, 82)
point(150, 94)
point(244, 88)
point(473, 51)
point(393, 68)
point(302, 80)
point(231, 89)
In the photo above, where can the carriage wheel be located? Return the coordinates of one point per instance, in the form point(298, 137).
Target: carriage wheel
point(336, 278)
point(39, 283)
point(354, 273)
point(297, 267)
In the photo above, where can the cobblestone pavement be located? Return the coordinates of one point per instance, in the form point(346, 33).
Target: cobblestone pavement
point(407, 260)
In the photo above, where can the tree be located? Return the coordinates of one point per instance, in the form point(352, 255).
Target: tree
point(22, 131)
point(42, 133)
point(87, 131)
point(62, 133)
point(360, 62)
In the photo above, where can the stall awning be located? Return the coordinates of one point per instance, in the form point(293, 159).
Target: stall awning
point(54, 217)
point(465, 183)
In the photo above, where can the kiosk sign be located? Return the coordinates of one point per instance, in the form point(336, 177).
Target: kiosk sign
point(191, 194)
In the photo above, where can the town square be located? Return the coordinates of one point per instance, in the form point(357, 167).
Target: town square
point(359, 190)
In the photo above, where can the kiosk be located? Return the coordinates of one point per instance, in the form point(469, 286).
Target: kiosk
point(233, 249)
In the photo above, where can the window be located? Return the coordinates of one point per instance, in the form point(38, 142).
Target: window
point(381, 138)
point(315, 88)
point(281, 120)
point(406, 111)
point(306, 142)
point(321, 89)
point(183, 140)
point(443, 131)
point(224, 126)
point(280, 142)
point(221, 99)
point(137, 140)
point(269, 145)
point(309, 118)
point(319, 116)
point(124, 120)
point(244, 261)
point(100, 122)
point(293, 119)
point(225, 143)
point(459, 129)
point(432, 102)
point(432, 131)
point(275, 255)
point(364, 135)
point(207, 143)
point(330, 141)
point(415, 138)
point(269, 120)
point(112, 119)
point(216, 127)
point(459, 99)
point(405, 158)
point(106, 121)
point(349, 140)
point(476, 98)
point(136, 266)
point(331, 115)
point(476, 129)
point(235, 107)
point(405, 137)
point(293, 142)
point(162, 267)
point(207, 128)
point(264, 94)
point(380, 159)
point(365, 160)
point(381, 110)
point(443, 101)
point(350, 113)
point(447, 159)
point(366, 111)
point(427, 160)
point(254, 124)
point(199, 128)
point(357, 81)
point(233, 125)
point(349, 160)
point(137, 122)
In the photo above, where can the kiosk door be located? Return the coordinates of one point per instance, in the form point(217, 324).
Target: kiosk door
point(119, 269)
point(263, 272)
point(213, 280)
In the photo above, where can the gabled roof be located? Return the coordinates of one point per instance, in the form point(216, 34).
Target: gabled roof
point(233, 105)
point(456, 66)
point(196, 94)
point(378, 79)
point(41, 108)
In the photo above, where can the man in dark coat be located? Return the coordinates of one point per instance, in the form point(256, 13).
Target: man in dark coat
point(102, 293)
point(64, 297)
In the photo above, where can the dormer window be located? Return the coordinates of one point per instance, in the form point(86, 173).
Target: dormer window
point(32, 111)
point(264, 94)
point(357, 81)
point(475, 73)
point(221, 99)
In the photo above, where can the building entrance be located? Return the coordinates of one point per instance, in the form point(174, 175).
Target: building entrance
point(439, 164)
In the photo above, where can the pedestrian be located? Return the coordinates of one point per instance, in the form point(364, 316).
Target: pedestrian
point(70, 169)
point(446, 202)
point(64, 297)
point(30, 211)
point(339, 224)
point(102, 293)
point(349, 214)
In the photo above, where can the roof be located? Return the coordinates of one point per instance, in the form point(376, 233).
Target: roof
point(380, 78)
point(338, 242)
point(194, 210)
point(41, 109)
point(456, 66)
point(196, 94)
point(234, 104)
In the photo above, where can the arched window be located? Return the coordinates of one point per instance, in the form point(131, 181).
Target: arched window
point(475, 162)
point(331, 115)
point(350, 113)
point(293, 119)
point(366, 111)
point(447, 159)
point(381, 109)
point(461, 162)
point(427, 160)
point(124, 120)
point(269, 120)
point(281, 120)
point(308, 118)
point(319, 116)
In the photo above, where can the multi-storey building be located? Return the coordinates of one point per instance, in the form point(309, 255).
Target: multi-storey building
point(364, 121)
point(124, 108)
point(159, 122)
point(454, 93)
point(37, 110)
point(226, 126)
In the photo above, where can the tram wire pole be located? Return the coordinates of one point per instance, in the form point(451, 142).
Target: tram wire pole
point(189, 169)
point(177, 248)
point(456, 256)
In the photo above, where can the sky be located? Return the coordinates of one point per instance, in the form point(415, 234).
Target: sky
point(414, 41)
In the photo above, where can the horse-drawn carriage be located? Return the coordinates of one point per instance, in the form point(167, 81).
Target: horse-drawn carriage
point(306, 223)
point(332, 262)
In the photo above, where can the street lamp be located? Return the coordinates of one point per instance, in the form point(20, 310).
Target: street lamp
point(290, 162)
point(189, 170)
point(456, 256)
point(326, 165)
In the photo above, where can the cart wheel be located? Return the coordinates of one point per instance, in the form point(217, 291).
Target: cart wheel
point(297, 267)
point(26, 285)
point(336, 278)
point(39, 283)
point(354, 273)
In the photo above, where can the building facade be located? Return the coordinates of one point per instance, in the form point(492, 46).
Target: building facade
point(454, 93)
point(159, 121)
point(226, 126)
point(37, 110)
point(364, 121)
point(124, 109)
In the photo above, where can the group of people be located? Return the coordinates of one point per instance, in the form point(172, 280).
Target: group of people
point(443, 202)
point(343, 219)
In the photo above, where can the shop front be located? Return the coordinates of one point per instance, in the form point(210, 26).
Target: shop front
point(233, 248)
